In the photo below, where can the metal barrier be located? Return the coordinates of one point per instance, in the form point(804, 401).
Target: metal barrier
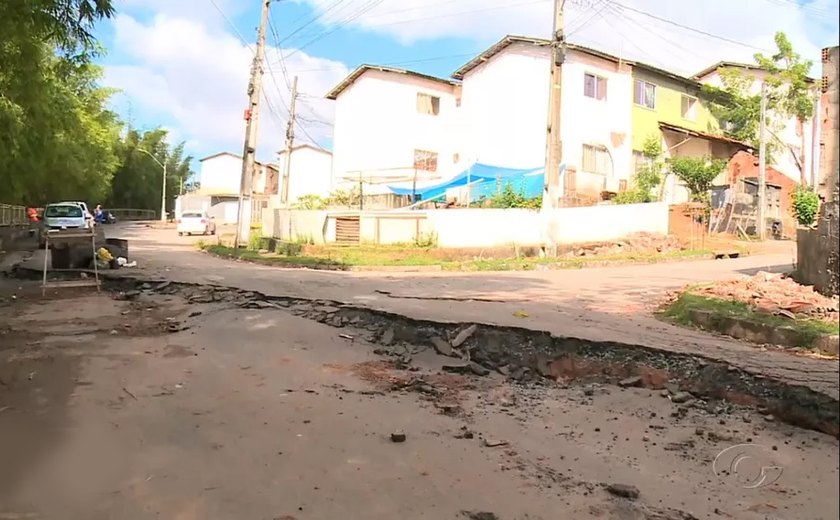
point(133, 214)
point(13, 215)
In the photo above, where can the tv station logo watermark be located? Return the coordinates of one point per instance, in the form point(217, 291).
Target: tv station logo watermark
point(749, 466)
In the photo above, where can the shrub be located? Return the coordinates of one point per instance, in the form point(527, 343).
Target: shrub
point(697, 173)
point(805, 205)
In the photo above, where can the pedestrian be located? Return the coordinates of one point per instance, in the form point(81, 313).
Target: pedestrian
point(99, 215)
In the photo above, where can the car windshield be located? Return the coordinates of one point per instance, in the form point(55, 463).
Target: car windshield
point(63, 211)
point(191, 215)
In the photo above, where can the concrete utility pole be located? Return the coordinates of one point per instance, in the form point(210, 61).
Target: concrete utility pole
point(554, 147)
point(243, 218)
point(290, 141)
point(762, 167)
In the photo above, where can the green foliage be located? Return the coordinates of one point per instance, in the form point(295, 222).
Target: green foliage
point(56, 135)
point(647, 177)
point(310, 202)
point(345, 198)
point(805, 205)
point(254, 241)
point(789, 94)
point(137, 181)
point(509, 197)
point(426, 240)
point(697, 173)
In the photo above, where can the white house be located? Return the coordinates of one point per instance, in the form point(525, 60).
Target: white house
point(395, 125)
point(505, 100)
point(796, 158)
point(310, 172)
point(221, 174)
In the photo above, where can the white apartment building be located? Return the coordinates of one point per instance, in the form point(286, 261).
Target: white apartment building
point(310, 171)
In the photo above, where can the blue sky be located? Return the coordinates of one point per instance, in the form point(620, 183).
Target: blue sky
point(183, 64)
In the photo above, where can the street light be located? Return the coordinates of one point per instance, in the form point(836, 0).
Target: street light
point(163, 191)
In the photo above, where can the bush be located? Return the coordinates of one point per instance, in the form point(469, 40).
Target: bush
point(697, 173)
point(805, 205)
point(509, 197)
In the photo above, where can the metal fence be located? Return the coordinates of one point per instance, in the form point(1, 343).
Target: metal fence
point(13, 215)
point(133, 214)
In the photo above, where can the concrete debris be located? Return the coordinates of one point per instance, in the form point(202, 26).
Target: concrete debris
point(623, 490)
point(630, 382)
point(398, 436)
point(775, 294)
point(681, 397)
point(465, 433)
point(464, 335)
point(387, 337)
point(460, 368)
point(646, 243)
point(478, 370)
point(495, 443)
point(441, 346)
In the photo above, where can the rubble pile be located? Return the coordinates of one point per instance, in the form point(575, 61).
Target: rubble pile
point(637, 243)
point(775, 294)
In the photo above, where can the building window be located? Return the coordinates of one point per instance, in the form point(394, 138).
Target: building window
point(594, 86)
point(644, 94)
point(425, 160)
point(596, 159)
point(640, 161)
point(428, 104)
point(689, 108)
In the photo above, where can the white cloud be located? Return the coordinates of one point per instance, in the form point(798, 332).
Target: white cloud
point(195, 76)
point(606, 24)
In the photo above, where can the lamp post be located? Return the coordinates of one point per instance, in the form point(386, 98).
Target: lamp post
point(163, 189)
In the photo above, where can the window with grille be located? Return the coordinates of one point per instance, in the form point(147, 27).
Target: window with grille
point(428, 104)
point(425, 160)
point(596, 159)
point(594, 86)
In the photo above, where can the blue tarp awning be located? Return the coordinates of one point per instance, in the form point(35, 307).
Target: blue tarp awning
point(482, 178)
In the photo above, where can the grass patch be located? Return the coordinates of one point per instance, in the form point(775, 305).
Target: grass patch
point(806, 330)
point(345, 257)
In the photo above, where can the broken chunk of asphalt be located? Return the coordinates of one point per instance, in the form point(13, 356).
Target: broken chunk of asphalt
point(441, 346)
point(464, 335)
point(495, 443)
point(630, 382)
point(623, 490)
point(480, 515)
point(466, 368)
point(398, 436)
point(681, 397)
point(387, 337)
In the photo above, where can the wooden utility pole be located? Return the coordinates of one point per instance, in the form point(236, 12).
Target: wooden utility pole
point(290, 141)
point(761, 225)
point(243, 218)
point(554, 147)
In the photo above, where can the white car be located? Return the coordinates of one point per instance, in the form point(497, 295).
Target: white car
point(195, 223)
point(65, 215)
point(88, 214)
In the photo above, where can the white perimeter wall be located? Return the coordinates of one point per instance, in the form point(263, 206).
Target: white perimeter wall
point(456, 228)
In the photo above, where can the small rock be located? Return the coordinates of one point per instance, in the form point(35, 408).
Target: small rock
point(162, 285)
point(146, 286)
point(398, 436)
point(465, 433)
point(464, 335)
point(505, 371)
point(681, 397)
point(461, 368)
point(495, 443)
point(624, 491)
point(193, 314)
point(478, 370)
point(589, 392)
point(769, 418)
point(665, 393)
point(672, 388)
point(699, 431)
point(441, 346)
point(113, 332)
point(479, 515)
point(387, 337)
point(630, 381)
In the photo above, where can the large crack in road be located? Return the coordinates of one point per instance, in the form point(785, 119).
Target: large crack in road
point(213, 402)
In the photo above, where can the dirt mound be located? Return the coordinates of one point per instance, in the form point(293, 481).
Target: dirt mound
point(637, 243)
point(775, 294)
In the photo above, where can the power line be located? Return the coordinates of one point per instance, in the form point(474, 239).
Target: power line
point(233, 26)
point(360, 12)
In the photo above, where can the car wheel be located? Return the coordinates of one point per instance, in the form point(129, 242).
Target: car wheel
point(180, 234)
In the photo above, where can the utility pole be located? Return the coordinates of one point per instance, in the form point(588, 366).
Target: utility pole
point(163, 194)
point(290, 140)
point(554, 147)
point(762, 167)
point(243, 218)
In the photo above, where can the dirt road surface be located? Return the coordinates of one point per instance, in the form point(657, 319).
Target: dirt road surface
point(146, 406)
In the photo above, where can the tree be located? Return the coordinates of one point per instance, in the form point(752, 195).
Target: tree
point(648, 176)
point(508, 198)
point(57, 137)
point(697, 173)
point(789, 95)
point(138, 179)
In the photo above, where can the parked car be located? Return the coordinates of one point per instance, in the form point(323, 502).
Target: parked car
point(64, 215)
point(195, 223)
point(88, 214)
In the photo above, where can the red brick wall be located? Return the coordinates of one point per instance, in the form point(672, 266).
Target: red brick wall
point(745, 164)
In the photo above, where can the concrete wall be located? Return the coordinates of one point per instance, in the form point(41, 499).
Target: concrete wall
point(455, 228)
point(310, 172)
